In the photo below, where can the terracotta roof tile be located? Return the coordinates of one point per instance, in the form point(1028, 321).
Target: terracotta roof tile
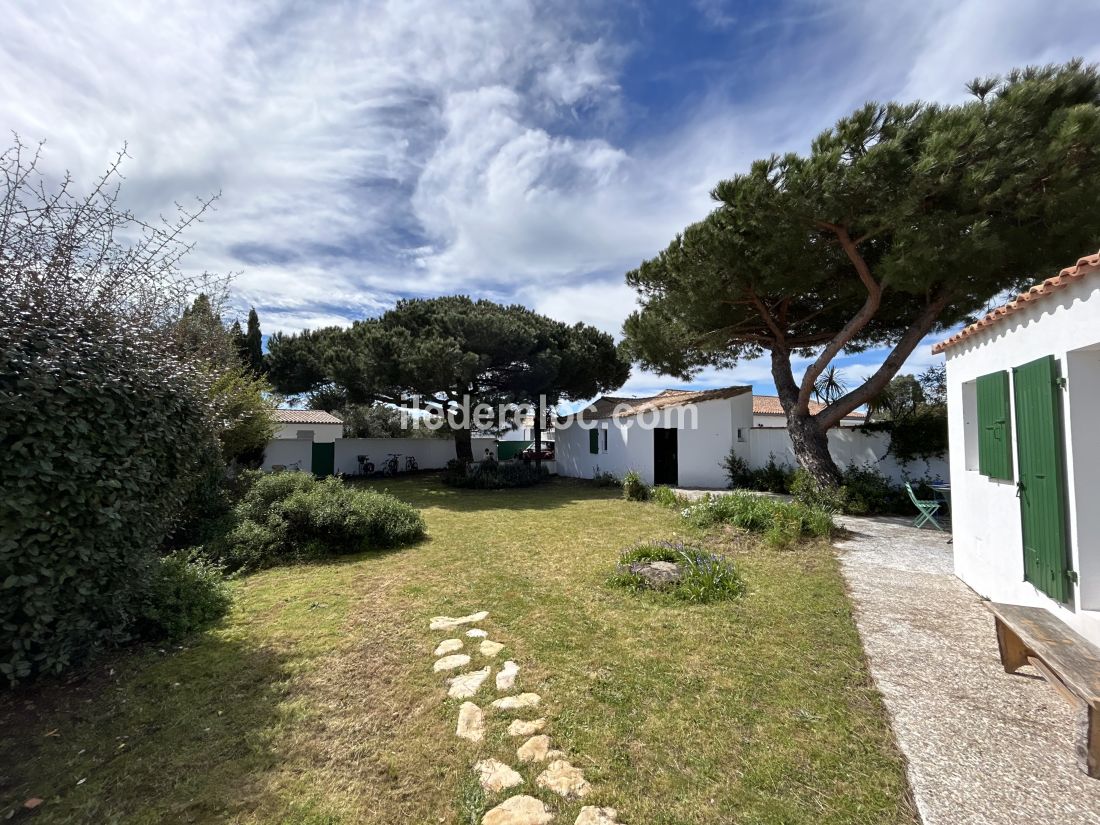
point(1084, 266)
point(306, 417)
point(770, 405)
point(605, 406)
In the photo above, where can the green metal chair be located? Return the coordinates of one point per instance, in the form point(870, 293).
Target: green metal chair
point(927, 507)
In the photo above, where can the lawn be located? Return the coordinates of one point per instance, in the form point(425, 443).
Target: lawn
point(315, 702)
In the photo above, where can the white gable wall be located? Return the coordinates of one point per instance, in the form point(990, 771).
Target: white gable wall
point(988, 545)
point(629, 442)
point(322, 433)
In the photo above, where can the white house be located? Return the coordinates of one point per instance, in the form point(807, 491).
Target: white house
point(677, 437)
point(1024, 407)
point(311, 425)
point(767, 412)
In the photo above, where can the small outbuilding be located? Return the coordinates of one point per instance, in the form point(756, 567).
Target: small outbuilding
point(1024, 424)
point(677, 437)
point(311, 425)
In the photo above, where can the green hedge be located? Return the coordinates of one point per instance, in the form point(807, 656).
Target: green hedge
point(103, 435)
point(493, 475)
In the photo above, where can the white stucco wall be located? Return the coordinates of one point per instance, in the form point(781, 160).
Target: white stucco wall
point(773, 421)
point(988, 547)
point(702, 442)
point(430, 453)
point(847, 446)
point(286, 451)
point(322, 433)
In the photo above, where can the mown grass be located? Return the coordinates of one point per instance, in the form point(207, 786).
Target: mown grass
point(315, 701)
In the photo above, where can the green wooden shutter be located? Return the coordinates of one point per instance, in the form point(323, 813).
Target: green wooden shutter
point(594, 441)
point(994, 429)
point(1042, 487)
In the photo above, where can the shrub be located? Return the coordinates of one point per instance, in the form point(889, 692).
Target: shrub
point(493, 475)
point(704, 577)
point(667, 497)
point(105, 437)
point(781, 522)
point(286, 518)
point(806, 490)
point(738, 471)
point(186, 595)
point(863, 490)
point(634, 489)
point(606, 479)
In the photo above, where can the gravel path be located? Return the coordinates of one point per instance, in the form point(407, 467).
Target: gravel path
point(983, 746)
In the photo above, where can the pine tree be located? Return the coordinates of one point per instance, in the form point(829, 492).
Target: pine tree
point(254, 344)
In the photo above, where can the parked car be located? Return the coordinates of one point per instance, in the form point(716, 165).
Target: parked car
point(546, 454)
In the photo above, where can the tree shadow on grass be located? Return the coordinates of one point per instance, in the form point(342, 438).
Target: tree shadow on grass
point(426, 490)
point(181, 734)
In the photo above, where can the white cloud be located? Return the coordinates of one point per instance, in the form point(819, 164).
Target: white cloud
point(370, 150)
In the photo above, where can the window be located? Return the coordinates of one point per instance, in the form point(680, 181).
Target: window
point(593, 441)
point(740, 433)
point(605, 439)
point(994, 427)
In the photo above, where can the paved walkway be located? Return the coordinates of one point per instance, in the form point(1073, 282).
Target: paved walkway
point(983, 746)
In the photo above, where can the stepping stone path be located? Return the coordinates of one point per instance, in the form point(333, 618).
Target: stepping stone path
point(591, 815)
point(519, 810)
point(471, 722)
point(451, 662)
point(521, 728)
point(560, 776)
point(565, 780)
point(520, 702)
point(448, 646)
point(466, 685)
point(490, 648)
point(534, 749)
point(447, 623)
point(506, 678)
point(495, 776)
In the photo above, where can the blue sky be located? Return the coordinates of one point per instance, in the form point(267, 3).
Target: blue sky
point(520, 151)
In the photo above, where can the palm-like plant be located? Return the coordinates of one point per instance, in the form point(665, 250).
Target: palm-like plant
point(830, 386)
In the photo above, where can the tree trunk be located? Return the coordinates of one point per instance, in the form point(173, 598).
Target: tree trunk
point(464, 446)
point(811, 446)
point(809, 440)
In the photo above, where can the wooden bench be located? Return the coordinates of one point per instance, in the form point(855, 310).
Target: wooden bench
point(1033, 636)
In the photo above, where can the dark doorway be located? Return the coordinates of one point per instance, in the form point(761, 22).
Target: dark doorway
point(324, 456)
point(664, 456)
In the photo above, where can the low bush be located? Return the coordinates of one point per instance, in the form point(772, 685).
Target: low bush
point(186, 595)
point(493, 475)
point(703, 577)
point(634, 489)
point(781, 522)
point(773, 477)
point(286, 518)
point(606, 479)
point(667, 497)
point(863, 491)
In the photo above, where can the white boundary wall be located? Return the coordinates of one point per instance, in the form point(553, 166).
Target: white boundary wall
point(430, 453)
point(847, 446)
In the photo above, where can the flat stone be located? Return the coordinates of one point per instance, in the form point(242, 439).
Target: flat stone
point(506, 678)
point(534, 749)
point(495, 776)
point(471, 722)
point(448, 646)
point(451, 662)
point(490, 648)
point(656, 574)
point(591, 815)
point(519, 810)
point(519, 702)
point(466, 685)
point(477, 633)
point(521, 727)
point(564, 780)
point(449, 623)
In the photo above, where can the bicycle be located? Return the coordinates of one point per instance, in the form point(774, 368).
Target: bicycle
point(295, 467)
point(411, 465)
point(392, 465)
point(366, 466)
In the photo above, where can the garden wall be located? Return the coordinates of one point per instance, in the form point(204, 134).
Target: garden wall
point(430, 453)
point(848, 445)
